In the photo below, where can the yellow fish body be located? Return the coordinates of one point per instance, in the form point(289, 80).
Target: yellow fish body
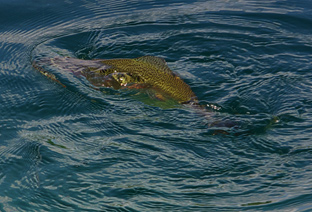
point(148, 70)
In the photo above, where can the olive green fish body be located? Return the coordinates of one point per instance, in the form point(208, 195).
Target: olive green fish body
point(154, 72)
point(148, 70)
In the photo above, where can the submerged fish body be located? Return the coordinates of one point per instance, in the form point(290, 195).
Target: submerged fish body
point(149, 71)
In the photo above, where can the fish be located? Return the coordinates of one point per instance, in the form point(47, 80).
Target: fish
point(142, 72)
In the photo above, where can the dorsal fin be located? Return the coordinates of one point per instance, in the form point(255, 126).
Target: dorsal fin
point(155, 61)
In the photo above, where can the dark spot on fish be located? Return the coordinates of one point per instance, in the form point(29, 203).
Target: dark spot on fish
point(103, 71)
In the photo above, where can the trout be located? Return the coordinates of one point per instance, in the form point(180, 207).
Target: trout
point(143, 72)
point(146, 71)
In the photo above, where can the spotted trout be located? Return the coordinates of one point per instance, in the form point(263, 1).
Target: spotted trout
point(146, 71)
point(143, 72)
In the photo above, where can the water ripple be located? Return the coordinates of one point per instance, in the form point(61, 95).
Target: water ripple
point(78, 148)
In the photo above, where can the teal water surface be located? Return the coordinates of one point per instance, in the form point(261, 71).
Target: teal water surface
point(82, 149)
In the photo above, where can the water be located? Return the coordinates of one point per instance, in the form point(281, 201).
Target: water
point(79, 149)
